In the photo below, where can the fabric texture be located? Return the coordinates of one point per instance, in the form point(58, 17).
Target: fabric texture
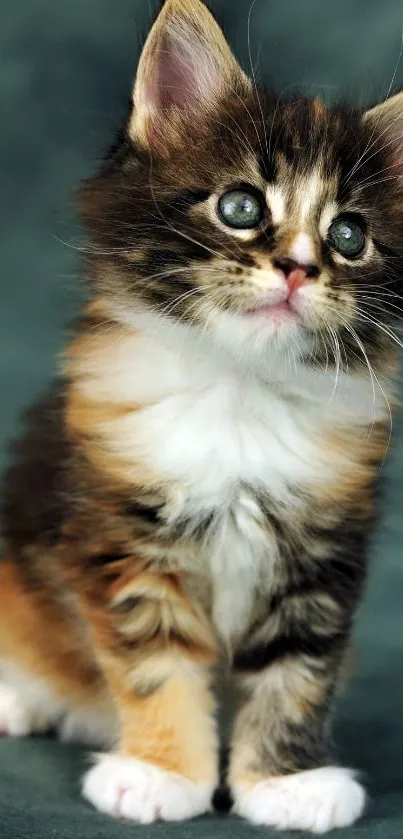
point(65, 79)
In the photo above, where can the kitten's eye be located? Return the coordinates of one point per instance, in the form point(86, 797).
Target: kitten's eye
point(346, 235)
point(243, 209)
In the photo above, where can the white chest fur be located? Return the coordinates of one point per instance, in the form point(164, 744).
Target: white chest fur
point(211, 433)
point(241, 559)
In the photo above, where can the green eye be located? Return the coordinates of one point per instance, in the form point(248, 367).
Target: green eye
point(346, 235)
point(242, 209)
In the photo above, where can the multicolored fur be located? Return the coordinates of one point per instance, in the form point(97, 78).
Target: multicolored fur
point(199, 489)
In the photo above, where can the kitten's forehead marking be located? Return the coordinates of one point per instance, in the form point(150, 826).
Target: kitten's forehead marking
point(276, 203)
point(310, 191)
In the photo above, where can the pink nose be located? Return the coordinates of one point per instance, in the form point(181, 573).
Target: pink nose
point(296, 279)
point(296, 274)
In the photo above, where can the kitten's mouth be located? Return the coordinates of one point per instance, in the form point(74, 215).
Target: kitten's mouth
point(280, 311)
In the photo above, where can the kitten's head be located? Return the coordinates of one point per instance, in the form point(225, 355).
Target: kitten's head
point(263, 223)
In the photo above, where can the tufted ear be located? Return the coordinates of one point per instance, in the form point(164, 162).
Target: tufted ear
point(387, 122)
point(185, 68)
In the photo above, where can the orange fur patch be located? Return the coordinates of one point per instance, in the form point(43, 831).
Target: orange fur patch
point(39, 632)
point(174, 727)
point(356, 458)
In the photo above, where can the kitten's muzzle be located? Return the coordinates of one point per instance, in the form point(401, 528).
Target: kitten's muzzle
point(295, 275)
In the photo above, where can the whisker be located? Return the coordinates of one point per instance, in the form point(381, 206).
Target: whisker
point(382, 327)
point(168, 308)
point(374, 380)
point(252, 5)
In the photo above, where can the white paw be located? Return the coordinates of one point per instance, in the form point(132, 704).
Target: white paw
point(18, 719)
point(88, 726)
point(316, 800)
point(132, 789)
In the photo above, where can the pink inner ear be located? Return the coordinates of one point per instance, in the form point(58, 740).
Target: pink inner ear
point(175, 83)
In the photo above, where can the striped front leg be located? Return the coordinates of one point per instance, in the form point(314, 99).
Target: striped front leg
point(281, 773)
point(156, 649)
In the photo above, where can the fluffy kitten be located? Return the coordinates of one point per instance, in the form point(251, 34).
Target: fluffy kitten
point(200, 487)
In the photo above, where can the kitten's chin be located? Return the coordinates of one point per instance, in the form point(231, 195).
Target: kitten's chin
point(262, 339)
point(271, 346)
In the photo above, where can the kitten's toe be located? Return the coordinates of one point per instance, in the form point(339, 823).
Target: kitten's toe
point(132, 789)
point(316, 800)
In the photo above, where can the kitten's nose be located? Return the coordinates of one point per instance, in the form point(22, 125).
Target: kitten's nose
point(296, 273)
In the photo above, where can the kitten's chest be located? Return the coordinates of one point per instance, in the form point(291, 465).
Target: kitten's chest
point(223, 449)
point(241, 554)
point(206, 445)
point(220, 454)
point(225, 454)
point(200, 427)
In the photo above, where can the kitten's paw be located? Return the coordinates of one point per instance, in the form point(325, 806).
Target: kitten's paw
point(316, 800)
point(18, 719)
point(132, 789)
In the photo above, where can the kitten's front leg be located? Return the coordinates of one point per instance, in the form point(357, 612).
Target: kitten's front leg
point(281, 773)
point(156, 650)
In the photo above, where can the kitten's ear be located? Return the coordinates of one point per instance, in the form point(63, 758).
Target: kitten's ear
point(386, 121)
point(184, 70)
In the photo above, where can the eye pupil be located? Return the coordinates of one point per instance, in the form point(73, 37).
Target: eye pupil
point(241, 209)
point(347, 236)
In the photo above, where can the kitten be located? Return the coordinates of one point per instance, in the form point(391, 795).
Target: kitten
point(200, 486)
